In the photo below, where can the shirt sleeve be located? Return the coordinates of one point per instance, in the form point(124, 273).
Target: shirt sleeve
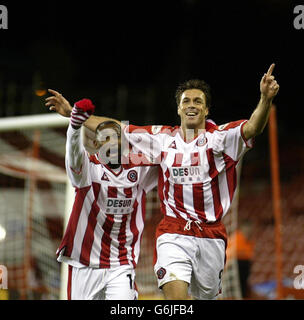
point(76, 160)
point(150, 180)
point(146, 140)
point(235, 144)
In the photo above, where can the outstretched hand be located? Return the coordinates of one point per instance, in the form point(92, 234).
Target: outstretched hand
point(58, 103)
point(268, 85)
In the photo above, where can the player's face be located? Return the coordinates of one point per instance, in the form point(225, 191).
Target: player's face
point(108, 141)
point(192, 109)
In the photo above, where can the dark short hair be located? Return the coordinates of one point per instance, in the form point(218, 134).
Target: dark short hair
point(194, 84)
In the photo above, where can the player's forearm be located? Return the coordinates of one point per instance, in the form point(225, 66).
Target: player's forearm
point(81, 112)
point(74, 150)
point(259, 118)
point(93, 122)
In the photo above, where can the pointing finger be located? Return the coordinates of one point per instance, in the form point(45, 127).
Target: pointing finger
point(269, 72)
point(55, 93)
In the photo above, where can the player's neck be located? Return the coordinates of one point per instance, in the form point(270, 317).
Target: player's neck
point(190, 133)
point(114, 166)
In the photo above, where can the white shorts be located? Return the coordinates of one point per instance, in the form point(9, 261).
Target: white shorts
point(102, 284)
point(197, 261)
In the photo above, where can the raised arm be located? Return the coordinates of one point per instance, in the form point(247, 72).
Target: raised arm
point(75, 153)
point(58, 103)
point(258, 120)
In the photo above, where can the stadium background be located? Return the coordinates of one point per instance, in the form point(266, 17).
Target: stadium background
point(129, 57)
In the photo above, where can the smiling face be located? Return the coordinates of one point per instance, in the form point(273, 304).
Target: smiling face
point(192, 109)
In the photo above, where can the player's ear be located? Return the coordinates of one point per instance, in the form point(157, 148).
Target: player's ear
point(96, 144)
point(179, 110)
point(206, 112)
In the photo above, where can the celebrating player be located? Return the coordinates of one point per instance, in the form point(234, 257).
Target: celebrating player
point(197, 182)
point(198, 164)
point(101, 243)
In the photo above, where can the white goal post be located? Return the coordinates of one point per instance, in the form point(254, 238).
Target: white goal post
point(52, 120)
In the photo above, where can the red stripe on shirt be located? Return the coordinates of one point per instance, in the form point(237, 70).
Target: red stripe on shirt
point(178, 159)
point(163, 186)
point(167, 184)
point(163, 189)
point(178, 197)
point(134, 231)
point(179, 201)
point(68, 238)
point(104, 261)
point(143, 206)
point(163, 155)
point(197, 190)
point(112, 192)
point(230, 174)
point(128, 192)
point(195, 159)
point(88, 238)
point(178, 189)
point(213, 173)
point(198, 200)
point(122, 238)
point(69, 286)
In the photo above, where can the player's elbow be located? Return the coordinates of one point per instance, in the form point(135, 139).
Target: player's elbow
point(251, 131)
point(257, 131)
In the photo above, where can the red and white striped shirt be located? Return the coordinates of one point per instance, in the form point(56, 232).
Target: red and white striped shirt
point(198, 179)
point(107, 219)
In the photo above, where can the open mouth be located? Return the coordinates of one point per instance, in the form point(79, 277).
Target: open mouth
point(191, 113)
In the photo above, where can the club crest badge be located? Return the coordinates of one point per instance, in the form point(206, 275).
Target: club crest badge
point(161, 273)
point(132, 176)
point(201, 141)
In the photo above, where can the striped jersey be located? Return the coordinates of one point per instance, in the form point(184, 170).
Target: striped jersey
point(107, 219)
point(197, 180)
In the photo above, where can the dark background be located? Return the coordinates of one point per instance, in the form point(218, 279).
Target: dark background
point(90, 45)
point(129, 56)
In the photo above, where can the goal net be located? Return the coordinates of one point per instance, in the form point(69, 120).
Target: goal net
point(32, 203)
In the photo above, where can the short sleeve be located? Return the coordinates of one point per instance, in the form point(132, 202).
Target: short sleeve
point(149, 178)
point(146, 140)
point(234, 143)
